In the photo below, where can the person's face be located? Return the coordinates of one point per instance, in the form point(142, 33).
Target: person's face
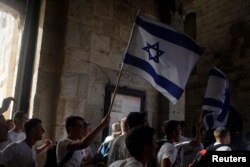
point(10, 125)
point(177, 133)
point(38, 132)
point(21, 121)
point(79, 130)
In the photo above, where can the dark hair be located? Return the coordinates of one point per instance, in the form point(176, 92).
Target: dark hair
point(137, 138)
point(30, 124)
point(221, 132)
point(19, 114)
point(71, 121)
point(135, 119)
point(9, 120)
point(170, 126)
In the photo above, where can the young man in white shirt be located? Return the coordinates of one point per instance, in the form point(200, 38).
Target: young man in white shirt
point(17, 133)
point(75, 141)
point(168, 153)
point(23, 153)
point(222, 136)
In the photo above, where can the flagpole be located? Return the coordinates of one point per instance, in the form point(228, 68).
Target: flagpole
point(121, 69)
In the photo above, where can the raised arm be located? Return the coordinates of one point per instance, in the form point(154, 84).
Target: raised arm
point(5, 104)
point(86, 141)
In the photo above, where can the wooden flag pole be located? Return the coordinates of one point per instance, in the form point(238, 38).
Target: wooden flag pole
point(120, 73)
point(115, 91)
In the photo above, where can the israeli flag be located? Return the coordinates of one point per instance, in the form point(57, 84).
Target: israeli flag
point(162, 56)
point(216, 100)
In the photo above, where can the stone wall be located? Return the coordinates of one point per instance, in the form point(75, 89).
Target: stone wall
point(97, 34)
point(81, 53)
point(223, 29)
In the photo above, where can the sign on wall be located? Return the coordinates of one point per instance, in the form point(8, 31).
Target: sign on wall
point(126, 100)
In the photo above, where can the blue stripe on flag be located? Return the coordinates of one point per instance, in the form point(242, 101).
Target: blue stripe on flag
point(213, 102)
point(169, 35)
point(217, 73)
point(225, 109)
point(169, 86)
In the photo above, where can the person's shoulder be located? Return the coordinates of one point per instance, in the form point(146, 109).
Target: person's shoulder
point(224, 148)
point(132, 162)
point(119, 139)
point(64, 141)
point(118, 163)
point(167, 147)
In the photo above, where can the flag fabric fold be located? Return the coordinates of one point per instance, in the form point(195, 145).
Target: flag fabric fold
point(216, 100)
point(162, 56)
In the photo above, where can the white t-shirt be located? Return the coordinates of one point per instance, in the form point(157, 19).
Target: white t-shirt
point(167, 150)
point(87, 156)
point(129, 162)
point(14, 137)
point(61, 151)
point(18, 155)
point(222, 148)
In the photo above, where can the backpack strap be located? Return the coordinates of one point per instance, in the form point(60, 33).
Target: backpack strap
point(66, 158)
point(214, 147)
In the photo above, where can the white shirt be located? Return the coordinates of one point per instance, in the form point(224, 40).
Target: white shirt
point(167, 150)
point(18, 155)
point(222, 148)
point(108, 138)
point(87, 156)
point(129, 162)
point(61, 151)
point(14, 137)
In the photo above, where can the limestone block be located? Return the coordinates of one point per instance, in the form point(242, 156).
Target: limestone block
point(60, 132)
point(104, 8)
point(47, 83)
point(102, 26)
point(96, 94)
point(73, 34)
point(60, 107)
point(100, 52)
point(43, 108)
point(100, 43)
point(93, 114)
point(54, 12)
point(123, 13)
point(82, 86)
point(77, 53)
point(82, 106)
point(99, 74)
point(69, 84)
point(52, 36)
point(50, 60)
point(124, 33)
point(80, 12)
point(75, 66)
point(71, 106)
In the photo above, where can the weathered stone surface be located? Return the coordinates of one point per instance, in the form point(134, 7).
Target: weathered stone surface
point(69, 84)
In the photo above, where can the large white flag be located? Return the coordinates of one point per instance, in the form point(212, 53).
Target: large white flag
point(162, 56)
point(216, 100)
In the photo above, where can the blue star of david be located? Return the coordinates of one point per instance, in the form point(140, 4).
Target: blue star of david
point(155, 48)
